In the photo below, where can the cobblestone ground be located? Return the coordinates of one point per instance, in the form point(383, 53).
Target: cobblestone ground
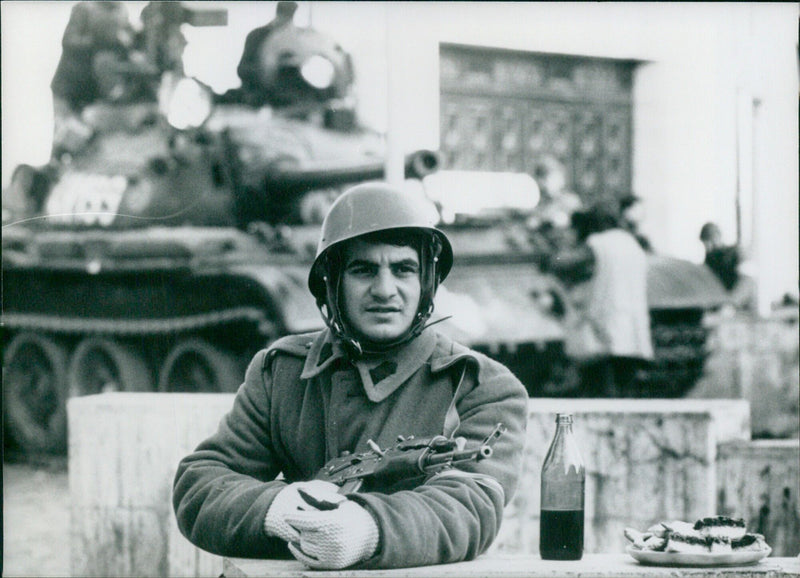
point(36, 519)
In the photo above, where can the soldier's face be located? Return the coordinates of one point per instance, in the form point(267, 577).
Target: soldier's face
point(381, 289)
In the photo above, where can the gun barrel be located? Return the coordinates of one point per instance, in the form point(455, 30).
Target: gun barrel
point(289, 178)
point(431, 461)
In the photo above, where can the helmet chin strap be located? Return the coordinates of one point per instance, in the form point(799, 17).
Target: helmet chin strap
point(358, 348)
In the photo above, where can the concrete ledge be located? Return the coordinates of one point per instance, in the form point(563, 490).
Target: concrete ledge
point(488, 566)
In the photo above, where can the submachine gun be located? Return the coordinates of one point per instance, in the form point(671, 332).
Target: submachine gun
point(409, 458)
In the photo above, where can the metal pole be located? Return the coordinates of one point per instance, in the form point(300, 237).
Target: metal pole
point(738, 200)
point(394, 172)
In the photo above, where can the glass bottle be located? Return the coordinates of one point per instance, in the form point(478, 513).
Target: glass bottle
point(563, 488)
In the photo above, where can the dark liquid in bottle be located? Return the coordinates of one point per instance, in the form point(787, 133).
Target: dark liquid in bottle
point(561, 535)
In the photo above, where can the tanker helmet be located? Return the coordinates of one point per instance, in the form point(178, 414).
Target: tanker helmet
point(367, 210)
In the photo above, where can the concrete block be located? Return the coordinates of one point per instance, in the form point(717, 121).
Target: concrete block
point(186, 560)
point(760, 480)
point(118, 542)
point(763, 368)
point(124, 449)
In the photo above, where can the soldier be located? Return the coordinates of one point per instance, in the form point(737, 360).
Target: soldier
point(725, 261)
point(93, 28)
point(250, 66)
point(377, 372)
point(722, 259)
point(99, 62)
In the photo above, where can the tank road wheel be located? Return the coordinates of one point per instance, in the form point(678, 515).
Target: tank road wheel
point(101, 364)
point(194, 365)
point(34, 393)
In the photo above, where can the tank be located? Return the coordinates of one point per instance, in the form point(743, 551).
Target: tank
point(170, 236)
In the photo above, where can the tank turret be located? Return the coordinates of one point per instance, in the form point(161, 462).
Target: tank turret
point(284, 65)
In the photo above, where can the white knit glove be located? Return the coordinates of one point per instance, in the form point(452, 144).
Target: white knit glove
point(334, 539)
point(289, 500)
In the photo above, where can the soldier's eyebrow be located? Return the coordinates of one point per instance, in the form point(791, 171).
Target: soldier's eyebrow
point(362, 262)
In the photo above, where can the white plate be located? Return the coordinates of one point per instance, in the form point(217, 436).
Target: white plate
point(681, 559)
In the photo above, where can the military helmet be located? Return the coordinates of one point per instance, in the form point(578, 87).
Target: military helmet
point(361, 211)
point(368, 208)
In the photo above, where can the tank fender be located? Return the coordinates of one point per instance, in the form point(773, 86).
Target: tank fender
point(284, 289)
point(679, 284)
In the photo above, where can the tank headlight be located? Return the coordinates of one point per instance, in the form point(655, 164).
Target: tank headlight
point(318, 71)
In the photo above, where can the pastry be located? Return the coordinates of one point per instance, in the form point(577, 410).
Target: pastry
point(721, 526)
point(712, 535)
point(687, 544)
point(749, 543)
point(719, 544)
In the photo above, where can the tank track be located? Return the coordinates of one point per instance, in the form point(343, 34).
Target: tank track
point(138, 327)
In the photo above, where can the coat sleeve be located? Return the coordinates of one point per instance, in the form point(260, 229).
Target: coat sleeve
point(456, 516)
point(222, 491)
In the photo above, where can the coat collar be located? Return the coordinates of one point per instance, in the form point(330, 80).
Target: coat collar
point(382, 375)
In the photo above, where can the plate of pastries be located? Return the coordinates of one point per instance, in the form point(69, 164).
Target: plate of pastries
point(712, 541)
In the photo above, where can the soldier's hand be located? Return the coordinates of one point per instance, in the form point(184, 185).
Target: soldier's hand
point(289, 500)
point(334, 539)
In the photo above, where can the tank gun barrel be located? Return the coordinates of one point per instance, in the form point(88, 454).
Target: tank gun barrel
point(161, 38)
point(417, 164)
point(205, 16)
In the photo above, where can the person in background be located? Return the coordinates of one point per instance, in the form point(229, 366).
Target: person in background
point(630, 209)
point(378, 371)
point(250, 68)
point(99, 61)
point(549, 227)
point(557, 202)
point(161, 37)
point(724, 261)
point(607, 270)
point(93, 28)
